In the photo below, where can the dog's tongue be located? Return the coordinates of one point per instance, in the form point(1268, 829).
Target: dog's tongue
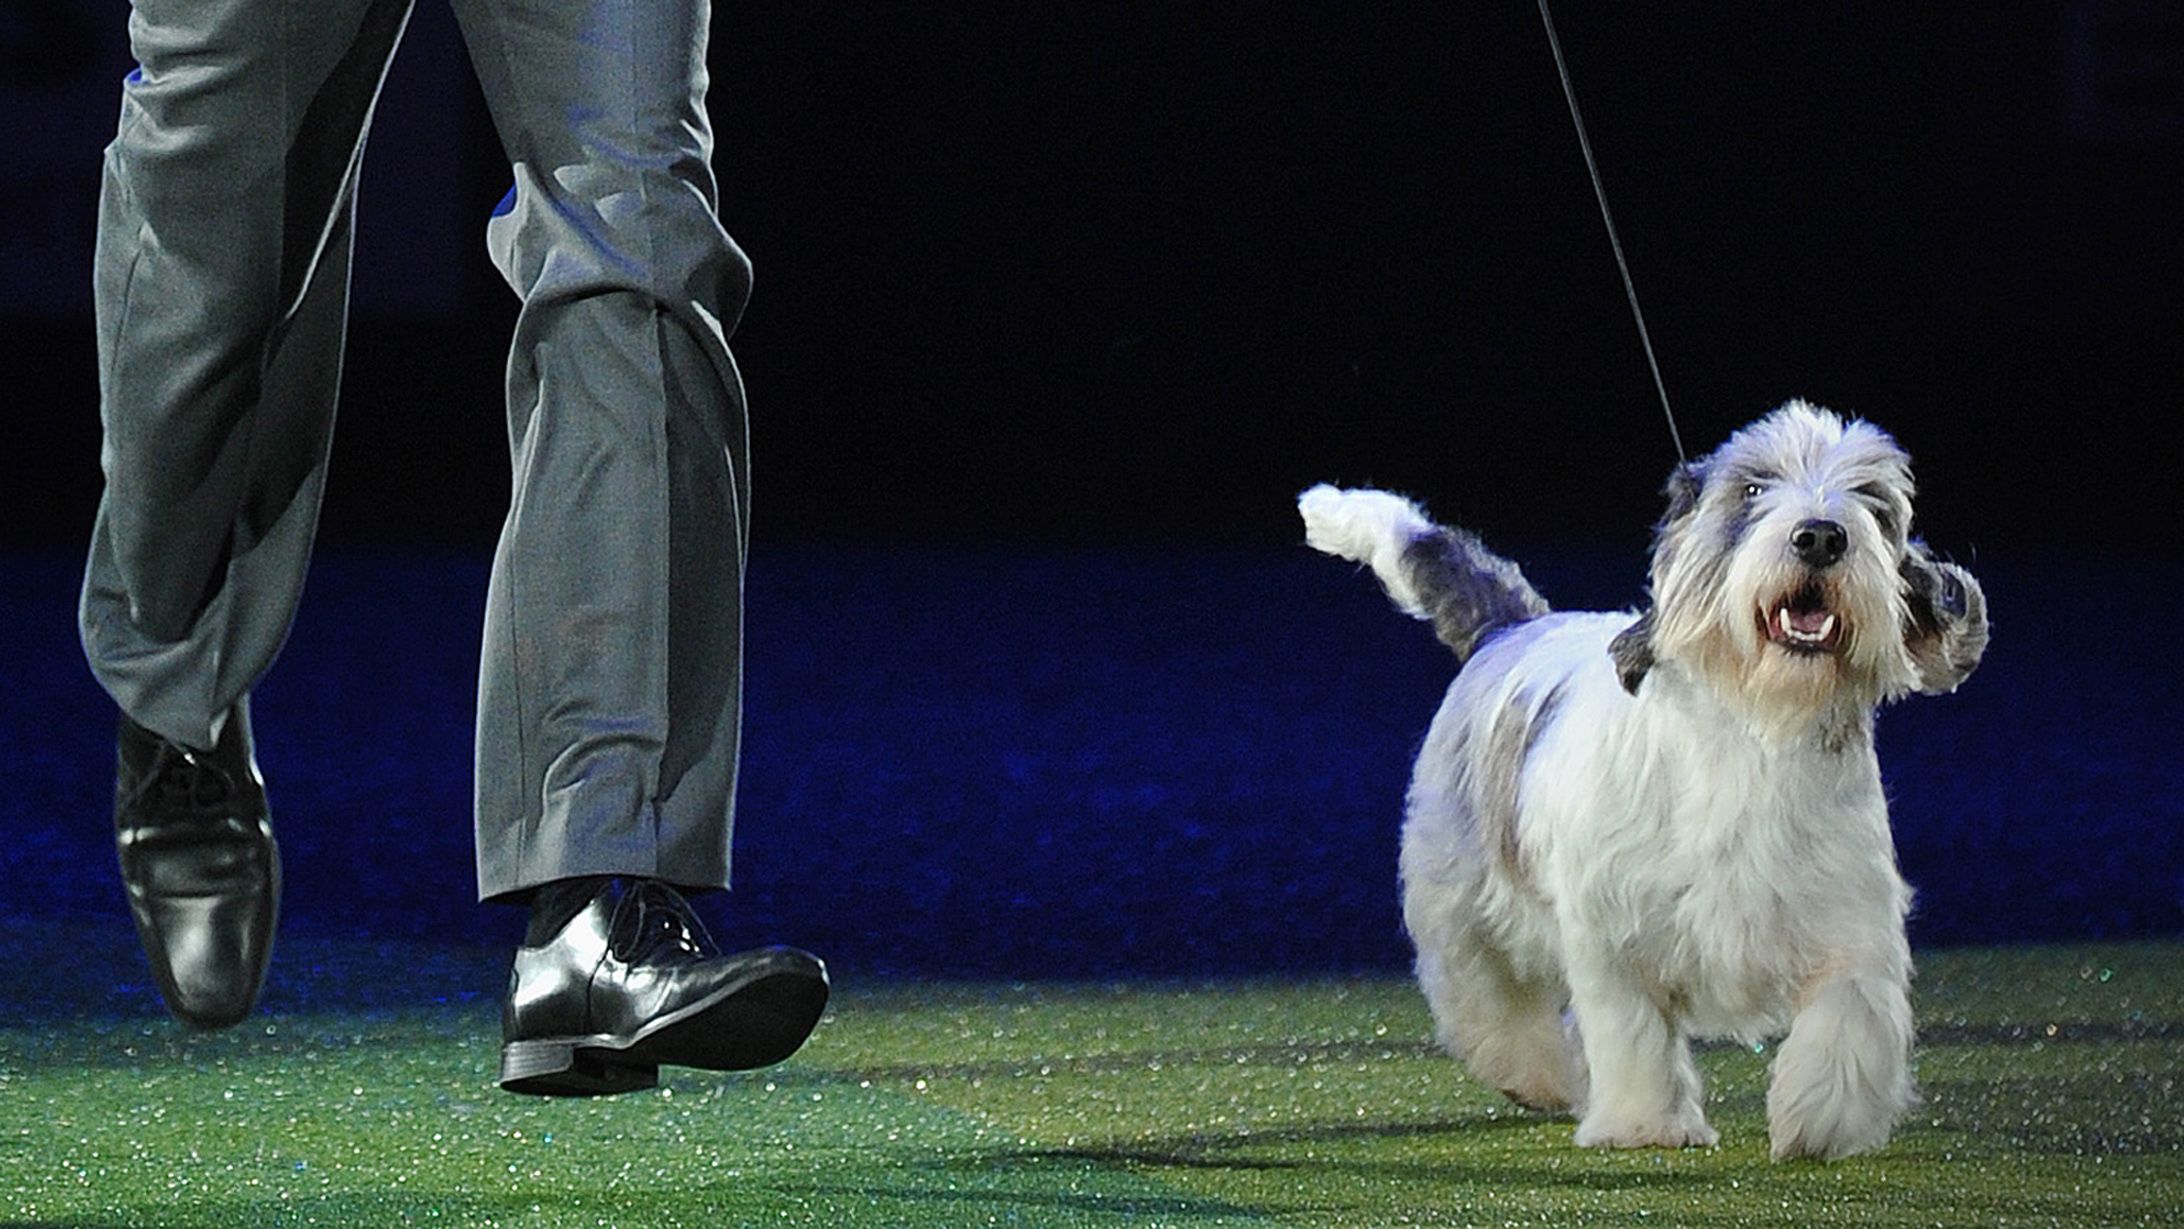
point(1809, 622)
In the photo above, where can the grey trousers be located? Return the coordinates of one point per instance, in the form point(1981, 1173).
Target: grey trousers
point(610, 680)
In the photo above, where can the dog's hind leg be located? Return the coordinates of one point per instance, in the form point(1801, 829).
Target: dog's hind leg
point(1843, 1075)
point(1506, 1029)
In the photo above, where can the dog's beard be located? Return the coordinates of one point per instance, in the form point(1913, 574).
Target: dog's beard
point(1788, 644)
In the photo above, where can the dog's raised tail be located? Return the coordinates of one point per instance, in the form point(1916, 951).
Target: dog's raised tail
point(1431, 572)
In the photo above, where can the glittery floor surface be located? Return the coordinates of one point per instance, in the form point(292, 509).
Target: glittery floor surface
point(2049, 1076)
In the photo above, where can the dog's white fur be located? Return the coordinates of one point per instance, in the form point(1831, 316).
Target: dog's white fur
point(1626, 831)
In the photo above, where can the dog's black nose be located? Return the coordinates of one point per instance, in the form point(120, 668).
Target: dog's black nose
point(1819, 543)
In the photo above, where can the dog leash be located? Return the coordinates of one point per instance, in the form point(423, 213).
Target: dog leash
point(1600, 192)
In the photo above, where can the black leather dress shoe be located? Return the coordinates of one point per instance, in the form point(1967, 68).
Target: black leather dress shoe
point(633, 982)
point(201, 868)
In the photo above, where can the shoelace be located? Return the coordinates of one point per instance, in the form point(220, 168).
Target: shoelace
point(652, 919)
point(182, 780)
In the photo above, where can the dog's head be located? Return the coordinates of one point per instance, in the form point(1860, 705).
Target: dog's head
point(1784, 572)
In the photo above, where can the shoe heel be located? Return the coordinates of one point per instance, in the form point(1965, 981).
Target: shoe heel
point(567, 1069)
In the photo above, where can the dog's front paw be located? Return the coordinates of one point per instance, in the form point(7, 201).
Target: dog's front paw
point(1829, 1139)
point(1828, 1122)
point(1685, 1130)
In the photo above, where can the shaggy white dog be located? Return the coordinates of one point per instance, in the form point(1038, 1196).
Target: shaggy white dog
point(1627, 830)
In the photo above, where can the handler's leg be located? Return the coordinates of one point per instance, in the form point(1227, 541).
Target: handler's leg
point(220, 281)
point(610, 688)
point(611, 682)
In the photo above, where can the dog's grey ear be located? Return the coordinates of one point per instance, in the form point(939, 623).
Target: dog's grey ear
point(1632, 650)
point(1682, 489)
point(1632, 647)
point(1925, 591)
point(1946, 625)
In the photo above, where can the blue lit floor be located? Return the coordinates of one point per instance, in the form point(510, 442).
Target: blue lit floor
point(1061, 763)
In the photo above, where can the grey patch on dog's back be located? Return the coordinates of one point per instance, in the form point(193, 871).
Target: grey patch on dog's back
point(1497, 771)
point(1467, 589)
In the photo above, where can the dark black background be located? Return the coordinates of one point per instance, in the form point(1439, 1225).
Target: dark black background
point(1068, 271)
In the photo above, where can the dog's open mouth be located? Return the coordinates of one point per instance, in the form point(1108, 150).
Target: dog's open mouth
point(1802, 623)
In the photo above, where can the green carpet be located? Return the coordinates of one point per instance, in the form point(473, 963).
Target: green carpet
point(2049, 1076)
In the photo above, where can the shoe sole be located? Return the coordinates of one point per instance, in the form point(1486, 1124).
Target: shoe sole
point(754, 1023)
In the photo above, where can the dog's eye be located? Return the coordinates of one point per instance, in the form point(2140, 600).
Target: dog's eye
point(1752, 490)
